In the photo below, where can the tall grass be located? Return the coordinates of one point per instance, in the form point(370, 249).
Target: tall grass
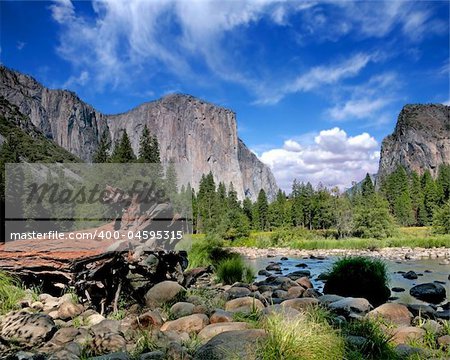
point(234, 270)
point(375, 347)
point(207, 250)
point(11, 292)
point(300, 338)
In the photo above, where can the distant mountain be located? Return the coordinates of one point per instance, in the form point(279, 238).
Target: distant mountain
point(420, 141)
point(189, 131)
point(29, 142)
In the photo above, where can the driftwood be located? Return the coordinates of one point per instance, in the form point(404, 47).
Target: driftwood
point(101, 270)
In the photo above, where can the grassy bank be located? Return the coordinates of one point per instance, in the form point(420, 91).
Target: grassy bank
point(311, 240)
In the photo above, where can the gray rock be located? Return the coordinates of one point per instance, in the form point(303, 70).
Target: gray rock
point(295, 275)
point(237, 292)
point(153, 355)
point(420, 140)
point(350, 305)
point(239, 344)
point(181, 309)
point(163, 292)
point(329, 298)
point(27, 329)
point(429, 292)
point(410, 275)
point(114, 356)
point(188, 130)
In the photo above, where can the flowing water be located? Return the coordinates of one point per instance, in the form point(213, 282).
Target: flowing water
point(428, 270)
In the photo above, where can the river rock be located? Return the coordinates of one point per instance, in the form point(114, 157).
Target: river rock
point(214, 329)
point(286, 311)
point(305, 282)
point(69, 310)
point(27, 329)
point(422, 310)
point(244, 304)
point(220, 316)
point(444, 341)
point(351, 305)
point(181, 309)
point(163, 292)
point(405, 335)
point(237, 292)
point(410, 275)
point(429, 292)
point(273, 267)
point(190, 324)
point(327, 299)
point(239, 344)
point(397, 314)
point(300, 304)
point(295, 275)
point(295, 292)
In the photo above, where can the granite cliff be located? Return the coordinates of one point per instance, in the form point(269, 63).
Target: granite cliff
point(420, 141)
point(189, 131)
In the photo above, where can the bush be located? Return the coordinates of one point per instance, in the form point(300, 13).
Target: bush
point(207, 251)
point(441, 220)
point(234, 270)
point(359, 277)
point(300, 338)
point(11, 292)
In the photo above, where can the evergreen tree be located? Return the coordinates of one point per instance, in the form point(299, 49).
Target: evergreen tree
point(171, 180)
point(430, 199)
point(262, 207)
point(207, 204)
point(441, 220)
point(247, 208)
point(123, 152)
point(416, 196)
point(367, 188)
point(101, 154)
point(146, 151)
point(443, 184)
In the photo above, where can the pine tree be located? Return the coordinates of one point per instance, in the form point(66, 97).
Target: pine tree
point(367, 188)
point(171, 180)
point(247, 208)
point(262, 207)
point(430, 199)
point(146, 152)
point(443, 184)
point(101, 154)
point(123, 152)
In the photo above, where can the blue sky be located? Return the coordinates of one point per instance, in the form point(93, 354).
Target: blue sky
point(315, 85)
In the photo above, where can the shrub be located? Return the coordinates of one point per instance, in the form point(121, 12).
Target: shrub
point(359, 277)
point(441, 220)
point(234, 270)
point(207, 251)
point(11, 292)
point(300, 338)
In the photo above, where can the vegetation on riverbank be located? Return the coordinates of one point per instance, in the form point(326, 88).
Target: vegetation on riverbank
point(422, 237)
point(11, 292)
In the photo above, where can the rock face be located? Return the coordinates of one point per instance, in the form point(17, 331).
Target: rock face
point(189, 131)
point(420, 142)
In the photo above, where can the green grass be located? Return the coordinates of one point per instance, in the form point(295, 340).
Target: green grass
point(300, 338)
point(376, 347)
point(234, 270)
point(207, 250)
point(315, 239)
point(11, 292)
point(359, 276)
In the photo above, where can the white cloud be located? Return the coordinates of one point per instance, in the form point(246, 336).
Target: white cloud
point(359, 109)
point(319, 76)
point(126, 38)
point(334, 159)
point(79, 80)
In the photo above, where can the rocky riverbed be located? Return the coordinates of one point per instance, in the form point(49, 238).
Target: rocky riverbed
point(204, 319)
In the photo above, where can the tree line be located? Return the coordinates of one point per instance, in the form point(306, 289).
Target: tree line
point(366, 210)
